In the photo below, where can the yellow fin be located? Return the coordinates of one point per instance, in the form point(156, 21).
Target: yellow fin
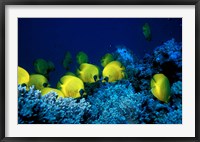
point(70, 73)
point(116, 63)
point(83, 66)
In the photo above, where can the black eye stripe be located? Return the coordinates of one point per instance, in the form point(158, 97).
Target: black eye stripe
point(23, 84)
point(106, 79)
point(45, 84)
point(81, 92)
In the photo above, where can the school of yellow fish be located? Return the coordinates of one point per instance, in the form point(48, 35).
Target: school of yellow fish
point(72, 85)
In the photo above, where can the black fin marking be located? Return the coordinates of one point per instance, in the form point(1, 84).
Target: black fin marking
point(95, 78)
point(81, 92)
point(106, 79)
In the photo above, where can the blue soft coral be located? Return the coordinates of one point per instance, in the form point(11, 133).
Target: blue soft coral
point(34, 108)
point(127, 101)
point(119, 104)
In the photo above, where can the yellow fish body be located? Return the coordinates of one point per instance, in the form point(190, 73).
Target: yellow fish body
point(88, 73)
point(22, 76)
point(113, 71)
point(38, 80)
point(107, 58)
point(71, 86)
point(47, 90)
point(160, 87)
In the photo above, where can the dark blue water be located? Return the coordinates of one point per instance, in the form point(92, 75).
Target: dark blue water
point(51, 38)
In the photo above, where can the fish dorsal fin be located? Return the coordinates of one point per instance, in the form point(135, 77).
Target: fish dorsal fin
point(117, 63)
point(83, 66)
point(65, 78)
point(158, 77)
point(70, 73)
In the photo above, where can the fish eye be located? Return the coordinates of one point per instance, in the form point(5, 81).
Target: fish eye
point(45, 84)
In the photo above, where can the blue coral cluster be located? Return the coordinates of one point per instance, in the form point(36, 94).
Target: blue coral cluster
point(33, 108)
point(128, 101)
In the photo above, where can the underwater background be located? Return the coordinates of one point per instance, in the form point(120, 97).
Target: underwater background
point(149, 51)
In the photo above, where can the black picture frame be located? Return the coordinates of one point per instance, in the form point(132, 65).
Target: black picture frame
point(3, 3)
